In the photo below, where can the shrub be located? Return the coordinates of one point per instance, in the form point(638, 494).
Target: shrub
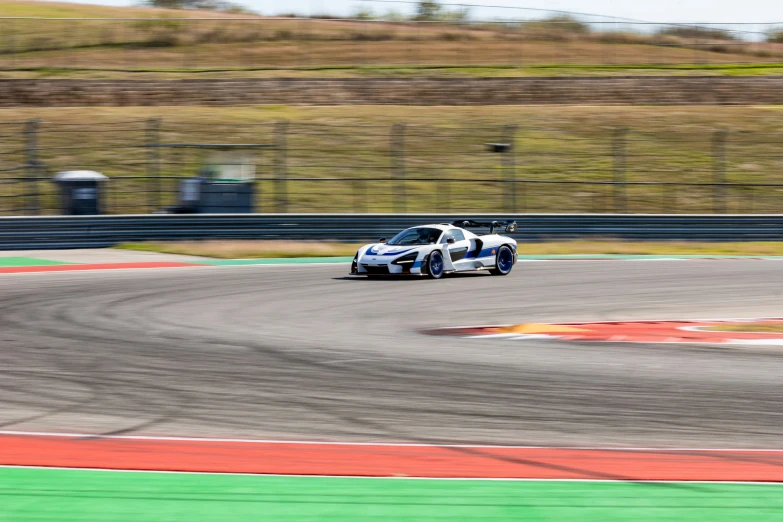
point(555, 28)
point(374, 36)
point(363, 14)
point(394, 16)
point(620, 38)
point(283, 34)
point(451, 36)
point(696, 32)
point(717, 48)
point(163, 32)
point(775, 36)
point(567, 24)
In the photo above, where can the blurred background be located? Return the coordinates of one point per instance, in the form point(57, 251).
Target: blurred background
point(563, 156)
point(607, 131)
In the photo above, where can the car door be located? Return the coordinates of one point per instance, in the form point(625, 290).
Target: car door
point(458, 249)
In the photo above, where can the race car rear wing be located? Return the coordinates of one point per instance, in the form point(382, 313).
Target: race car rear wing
point(510, 226)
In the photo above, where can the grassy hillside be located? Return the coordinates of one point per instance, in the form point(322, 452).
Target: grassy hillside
point(75, 10)
point(164, 43)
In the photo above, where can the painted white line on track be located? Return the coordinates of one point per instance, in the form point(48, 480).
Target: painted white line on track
point(374, 477)
point(573, 323)
point(392, 444)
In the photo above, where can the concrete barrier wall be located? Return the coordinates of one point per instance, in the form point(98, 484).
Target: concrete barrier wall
point(713, 90)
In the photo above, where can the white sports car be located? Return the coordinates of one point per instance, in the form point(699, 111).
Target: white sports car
point(434, 250)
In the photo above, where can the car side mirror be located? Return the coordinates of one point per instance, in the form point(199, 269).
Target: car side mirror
point(511, 228)
point(382, 240)
point(451, 241)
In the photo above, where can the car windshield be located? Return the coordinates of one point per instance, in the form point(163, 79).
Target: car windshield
point(416, 236)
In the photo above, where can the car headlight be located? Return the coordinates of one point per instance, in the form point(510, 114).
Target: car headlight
point(407, 259)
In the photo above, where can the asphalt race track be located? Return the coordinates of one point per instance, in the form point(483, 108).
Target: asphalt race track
point(307, 353)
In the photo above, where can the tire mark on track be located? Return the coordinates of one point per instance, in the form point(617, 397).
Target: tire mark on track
point(220, 353)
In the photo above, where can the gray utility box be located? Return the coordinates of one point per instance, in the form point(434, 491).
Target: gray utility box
point(205, 196)
point(80, 192)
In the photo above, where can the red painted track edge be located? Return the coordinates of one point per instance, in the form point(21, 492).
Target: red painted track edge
point(314, 459)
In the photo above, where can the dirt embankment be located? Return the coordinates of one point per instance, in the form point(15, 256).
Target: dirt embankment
point(712, 90)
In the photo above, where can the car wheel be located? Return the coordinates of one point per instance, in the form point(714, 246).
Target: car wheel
point(504, 261)
point(435, 266)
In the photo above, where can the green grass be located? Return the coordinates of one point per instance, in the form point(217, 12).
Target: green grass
point(78, 495)
point(238, 249)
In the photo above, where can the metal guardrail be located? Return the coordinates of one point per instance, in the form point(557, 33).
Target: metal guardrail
point(23, 233)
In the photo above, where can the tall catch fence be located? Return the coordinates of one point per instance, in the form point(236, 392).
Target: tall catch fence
point(403, 168)
point(222, 43)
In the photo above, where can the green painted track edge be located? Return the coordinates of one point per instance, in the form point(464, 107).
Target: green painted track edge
point(36, 494)
point(14, 261)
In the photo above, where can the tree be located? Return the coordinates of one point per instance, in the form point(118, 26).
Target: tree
point(428, 10)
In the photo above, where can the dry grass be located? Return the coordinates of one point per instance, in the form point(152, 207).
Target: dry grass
point(174, 41)
point(401, 71)
point(236, 249)
point(748, 328)
point(290, 249)
point(283, 55)
point(554, 144)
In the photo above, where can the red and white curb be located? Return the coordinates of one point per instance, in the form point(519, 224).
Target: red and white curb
point(688, 332)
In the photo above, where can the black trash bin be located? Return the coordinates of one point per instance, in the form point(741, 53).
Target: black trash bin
point(206, 195)
point(226, 198)
point(80, 192)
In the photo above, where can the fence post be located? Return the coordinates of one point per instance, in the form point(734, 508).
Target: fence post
point(281, 166)
point(397, 150)
point(10, 30)
point(510, 167)
point(153, 164)
point(719, 172)
point(33, 165)
point(619, 145)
